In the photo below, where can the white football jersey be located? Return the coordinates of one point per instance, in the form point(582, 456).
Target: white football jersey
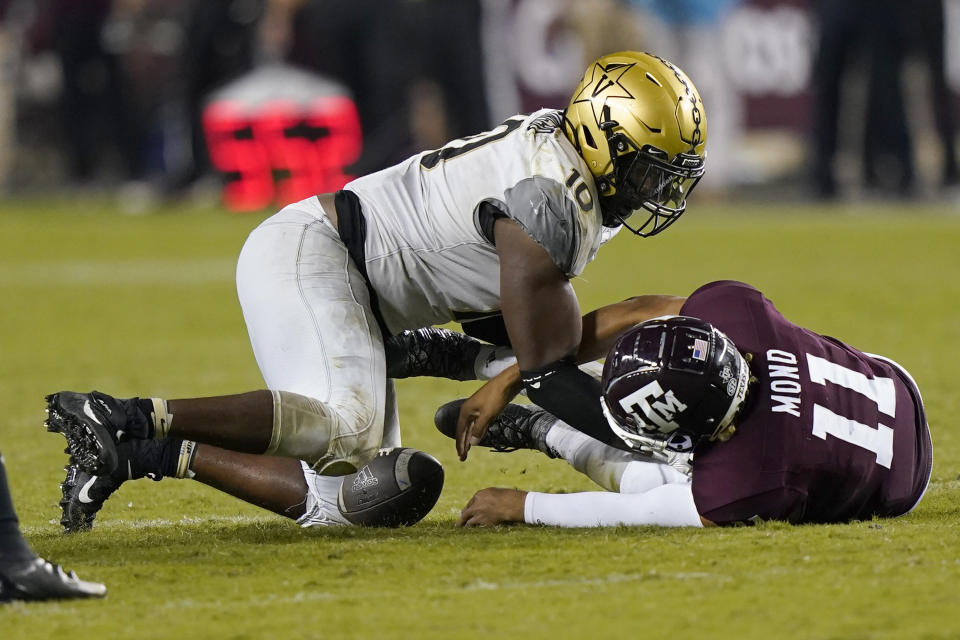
point(427, 256)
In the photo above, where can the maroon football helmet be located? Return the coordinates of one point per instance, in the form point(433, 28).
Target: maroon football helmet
point(672, 381)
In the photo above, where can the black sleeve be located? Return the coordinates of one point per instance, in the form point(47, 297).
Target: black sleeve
point(489, 329)
point(573, 396)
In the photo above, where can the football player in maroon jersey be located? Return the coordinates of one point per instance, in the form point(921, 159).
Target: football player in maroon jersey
point(731, 414)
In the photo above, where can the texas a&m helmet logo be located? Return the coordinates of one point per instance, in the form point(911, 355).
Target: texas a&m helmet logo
point(658, 407)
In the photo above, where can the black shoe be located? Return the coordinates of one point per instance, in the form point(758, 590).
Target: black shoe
point(435, 352)
point(93, 423)
point(37, 579)
point(519, 426)
point(84, 493)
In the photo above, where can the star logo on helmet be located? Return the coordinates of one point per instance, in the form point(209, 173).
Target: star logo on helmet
point(604, 84)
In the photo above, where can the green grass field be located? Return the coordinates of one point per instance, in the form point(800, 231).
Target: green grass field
point(146, 306)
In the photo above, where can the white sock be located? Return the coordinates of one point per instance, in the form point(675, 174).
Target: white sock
point(322, 495)
point(188, 449)
point(162, 419)
point(600, 462)
point(492, 360)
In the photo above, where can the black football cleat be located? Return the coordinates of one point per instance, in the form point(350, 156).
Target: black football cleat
point(83, 494)
point(37, 579)
point(519, 426)
point(93, 423)
point(432, 351)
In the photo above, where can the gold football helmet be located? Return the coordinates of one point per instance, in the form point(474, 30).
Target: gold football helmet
point(639, 123)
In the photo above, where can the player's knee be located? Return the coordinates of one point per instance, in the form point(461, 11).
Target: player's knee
point(358, 436)
point(332, 438)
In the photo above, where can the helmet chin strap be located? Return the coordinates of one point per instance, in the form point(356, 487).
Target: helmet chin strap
point(611, 207)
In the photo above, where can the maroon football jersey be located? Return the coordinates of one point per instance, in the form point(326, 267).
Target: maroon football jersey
point(828, 434)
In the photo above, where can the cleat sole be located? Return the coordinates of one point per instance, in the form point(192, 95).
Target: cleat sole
point(72, 519)
point(83, 444)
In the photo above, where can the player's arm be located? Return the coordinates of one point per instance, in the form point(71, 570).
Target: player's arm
point(599, 329)
point(540, 308)
point(542, 318)
point(669, 505)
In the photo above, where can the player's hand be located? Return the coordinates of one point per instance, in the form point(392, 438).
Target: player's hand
point(477, 412)
point(493, 506)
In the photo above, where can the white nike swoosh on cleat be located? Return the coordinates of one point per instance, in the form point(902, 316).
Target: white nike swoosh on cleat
point(89, 412)
point(84, 495)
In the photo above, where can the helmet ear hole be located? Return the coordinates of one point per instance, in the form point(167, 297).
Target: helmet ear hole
point(588, 138)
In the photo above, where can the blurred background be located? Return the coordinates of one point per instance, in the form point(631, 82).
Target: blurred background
point(256, 103)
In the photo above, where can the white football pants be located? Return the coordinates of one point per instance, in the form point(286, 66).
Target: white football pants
point(316, 341)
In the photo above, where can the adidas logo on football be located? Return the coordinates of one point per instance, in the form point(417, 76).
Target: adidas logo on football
point(364, 480)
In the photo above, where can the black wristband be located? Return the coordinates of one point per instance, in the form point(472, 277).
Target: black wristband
point(571, 395)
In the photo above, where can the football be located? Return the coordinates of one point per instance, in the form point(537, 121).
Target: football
point(395, 489)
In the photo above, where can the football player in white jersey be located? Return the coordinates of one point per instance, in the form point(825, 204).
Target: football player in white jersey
point(491, 225)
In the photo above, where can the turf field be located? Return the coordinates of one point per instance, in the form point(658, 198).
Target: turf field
point(146, 305)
